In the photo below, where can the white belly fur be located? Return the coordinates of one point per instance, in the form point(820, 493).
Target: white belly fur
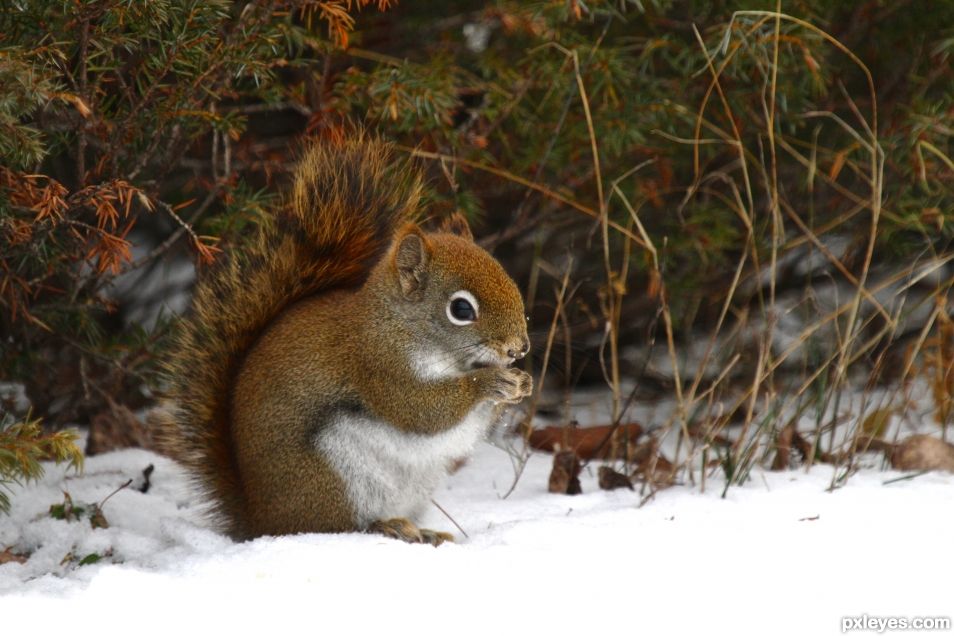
point(390, 473)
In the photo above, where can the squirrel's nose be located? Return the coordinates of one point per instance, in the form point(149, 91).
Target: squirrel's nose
point(515, 354)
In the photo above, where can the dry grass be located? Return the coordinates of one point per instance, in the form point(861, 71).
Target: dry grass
point(753, 408)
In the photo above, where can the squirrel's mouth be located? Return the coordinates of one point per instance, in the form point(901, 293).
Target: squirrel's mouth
point(485, 356)
point(485, 363)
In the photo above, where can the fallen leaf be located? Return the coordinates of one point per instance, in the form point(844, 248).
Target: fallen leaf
point(90, 559)
point(565, 476)
point(923, 452)
point(97, 519)
point(586, 441)
point(67, 511)
point(651, 465)
point(609, 479)
point(783, 453)
point(7, 556)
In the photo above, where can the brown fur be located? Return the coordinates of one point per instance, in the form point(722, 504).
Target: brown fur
point(319, 319)
point(339, 219)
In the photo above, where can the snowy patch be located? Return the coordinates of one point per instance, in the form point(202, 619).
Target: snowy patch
point(780, 555)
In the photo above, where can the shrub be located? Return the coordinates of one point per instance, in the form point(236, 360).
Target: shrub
point(23, 445)
point(650, 170)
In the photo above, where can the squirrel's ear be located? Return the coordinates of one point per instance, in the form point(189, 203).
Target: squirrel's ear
point(410, 260)
point(457, 224)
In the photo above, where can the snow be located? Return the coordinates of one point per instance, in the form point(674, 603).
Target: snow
point(779, 555)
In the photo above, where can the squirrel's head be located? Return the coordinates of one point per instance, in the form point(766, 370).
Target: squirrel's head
point(463, 309)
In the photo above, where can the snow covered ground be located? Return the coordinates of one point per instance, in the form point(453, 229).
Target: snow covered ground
point(781, 555)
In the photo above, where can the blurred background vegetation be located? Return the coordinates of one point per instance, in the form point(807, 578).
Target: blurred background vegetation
point(721, 202)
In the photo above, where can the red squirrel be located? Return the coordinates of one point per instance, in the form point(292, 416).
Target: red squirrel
point(328, 376)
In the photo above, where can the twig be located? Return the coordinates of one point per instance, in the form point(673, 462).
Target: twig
point(445, 513)
point(576, 205)
point(103, 502)
point(560, 299)
point(184, 227)
point(83, 88)
point(905, 477)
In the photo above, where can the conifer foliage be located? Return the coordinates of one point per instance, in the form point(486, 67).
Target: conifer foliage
point(23, 445)
point(645, 168)
point(118, 122)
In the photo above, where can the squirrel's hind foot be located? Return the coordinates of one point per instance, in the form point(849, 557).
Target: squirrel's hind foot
point(435, 537)
point(405, 530)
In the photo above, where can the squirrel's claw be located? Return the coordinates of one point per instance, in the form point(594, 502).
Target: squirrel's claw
point(435, 537)
point(508, 384)
point(405, 530)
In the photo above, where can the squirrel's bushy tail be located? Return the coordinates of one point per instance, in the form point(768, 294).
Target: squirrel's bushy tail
point(346, 202)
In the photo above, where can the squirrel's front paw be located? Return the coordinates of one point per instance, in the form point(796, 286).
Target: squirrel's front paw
point(506, 384)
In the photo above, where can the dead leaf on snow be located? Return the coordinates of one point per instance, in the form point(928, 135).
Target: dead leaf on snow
point(7, 556)
point(609, 479)
point(783, 447)
point(565, 476)
point(923, 452)
point(587, 442)
point(651, 465)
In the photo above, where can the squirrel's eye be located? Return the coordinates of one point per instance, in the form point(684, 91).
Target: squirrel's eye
point(462, 308)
